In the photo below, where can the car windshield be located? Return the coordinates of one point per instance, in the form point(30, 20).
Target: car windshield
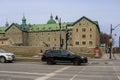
point(71, 52)
point(2, 51)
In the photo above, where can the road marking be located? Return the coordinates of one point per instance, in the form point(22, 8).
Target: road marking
point(15, 72)
point(77, 73)
point(47, 76)
point(117, 74)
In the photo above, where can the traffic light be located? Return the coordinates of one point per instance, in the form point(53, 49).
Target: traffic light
point(67, 35)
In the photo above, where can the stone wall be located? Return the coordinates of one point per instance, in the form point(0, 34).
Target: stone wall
point(23, 51)
point(79, 50)
point(89, 52)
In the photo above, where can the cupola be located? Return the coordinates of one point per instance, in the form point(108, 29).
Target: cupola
point(51, 21)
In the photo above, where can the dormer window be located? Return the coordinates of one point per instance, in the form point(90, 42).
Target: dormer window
point(43, 28)
point(56, 27)
point(37, 29)
point(31, 29)
point(49, 28)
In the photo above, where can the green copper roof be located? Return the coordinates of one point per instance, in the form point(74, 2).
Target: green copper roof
point(47, 27)
point(36, 27)
point(2, 29)
point(51, 21)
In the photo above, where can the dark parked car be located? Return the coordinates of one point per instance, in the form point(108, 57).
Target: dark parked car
point(55, 56)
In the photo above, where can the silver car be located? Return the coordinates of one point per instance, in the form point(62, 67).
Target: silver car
point(6, 56)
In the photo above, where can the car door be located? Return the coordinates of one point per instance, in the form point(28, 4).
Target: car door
point(57, 55)
point(65, 56)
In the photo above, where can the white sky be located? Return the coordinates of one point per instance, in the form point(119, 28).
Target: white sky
point(106, 12)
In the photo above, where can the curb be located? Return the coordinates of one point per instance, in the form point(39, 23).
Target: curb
point(28, 59)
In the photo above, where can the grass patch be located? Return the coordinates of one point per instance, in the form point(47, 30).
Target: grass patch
point(87, 55)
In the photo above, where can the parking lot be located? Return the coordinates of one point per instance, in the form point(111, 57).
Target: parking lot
point(94, 70)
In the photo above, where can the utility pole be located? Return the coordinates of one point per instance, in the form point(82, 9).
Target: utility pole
point(110, 57)
point(119, 41)
point(111, 40)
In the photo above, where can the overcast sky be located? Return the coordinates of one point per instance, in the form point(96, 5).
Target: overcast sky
point(106, 12)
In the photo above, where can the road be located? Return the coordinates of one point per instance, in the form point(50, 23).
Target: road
point(94, 70)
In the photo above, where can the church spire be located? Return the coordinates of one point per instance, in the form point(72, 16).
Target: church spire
point(51, 17)
point(23, 21)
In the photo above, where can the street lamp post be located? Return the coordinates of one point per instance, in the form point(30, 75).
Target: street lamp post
point(59, 21)
point(111, 29)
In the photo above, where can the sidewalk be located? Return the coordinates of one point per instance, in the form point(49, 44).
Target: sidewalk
point(113, 56)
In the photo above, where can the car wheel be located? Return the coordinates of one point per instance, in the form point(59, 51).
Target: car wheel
point(76, 62)
point(50, 61)
point(2, 60)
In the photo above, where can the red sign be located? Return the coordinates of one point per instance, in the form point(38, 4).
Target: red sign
point(97, 52)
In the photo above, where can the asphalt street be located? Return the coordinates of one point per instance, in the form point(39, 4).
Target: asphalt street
point(94, 70)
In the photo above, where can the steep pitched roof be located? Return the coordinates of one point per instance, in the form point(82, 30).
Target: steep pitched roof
point(11, 26)
point(20, 27)
point(94, 22)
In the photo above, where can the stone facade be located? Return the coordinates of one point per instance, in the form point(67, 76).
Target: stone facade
point(4, 41)
point(46, 38)
point(16, 36)
point(86, 33)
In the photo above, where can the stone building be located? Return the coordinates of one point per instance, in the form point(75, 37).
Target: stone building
point(81, 33)
point(86, 33)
